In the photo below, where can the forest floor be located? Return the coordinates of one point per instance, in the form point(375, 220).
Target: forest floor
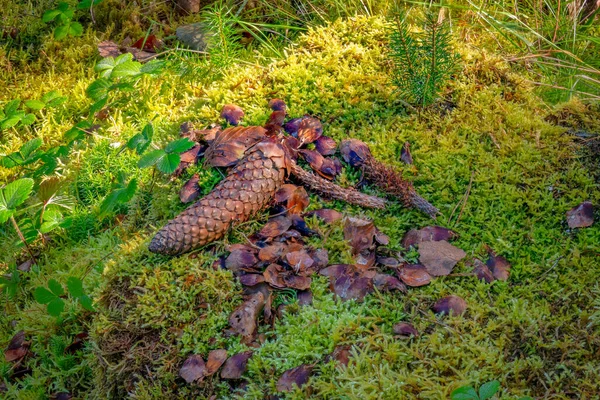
point(493, 137)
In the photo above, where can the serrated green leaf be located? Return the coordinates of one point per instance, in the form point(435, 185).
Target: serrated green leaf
point(169, 163)
point(488, 390)
point(98, 90)
point(152, 67)
point(28, 148)
point(61, 31)
point(56, 101)
point(52, 218)
point(125, 69)
point(63, 6)
point(10, 285)
point(99, 105)
point(75, 286)
point(105, 66)
point(87, 303)
point(43, 295)
point(75, 29)
point(15, 193)
point(11, 107)
point(11, 121)
point(56, 287)
point(50, 96)
point(28, 119)
point(179, 146)
point(123, 58)
point(464, 393)
point(151, 158)
point(86, 4)
point(50, 15)
point(35, 104)
point(56, 307)
point(127, 193)
point(77, 131)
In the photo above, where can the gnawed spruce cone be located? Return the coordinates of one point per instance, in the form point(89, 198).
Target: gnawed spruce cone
point(247, 189)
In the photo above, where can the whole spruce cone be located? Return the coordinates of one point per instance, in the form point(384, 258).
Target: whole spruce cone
point(247, 189)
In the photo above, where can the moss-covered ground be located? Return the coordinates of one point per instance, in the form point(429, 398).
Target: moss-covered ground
point(538, 333)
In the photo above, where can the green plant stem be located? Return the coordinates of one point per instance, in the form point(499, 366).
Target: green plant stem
point(16, 226)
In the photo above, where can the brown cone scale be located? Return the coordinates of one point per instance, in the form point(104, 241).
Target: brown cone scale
point(247, 189)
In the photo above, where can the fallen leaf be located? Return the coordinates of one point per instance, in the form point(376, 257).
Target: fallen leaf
point(297, 376)
point(498, 266)
point(427, 234)
point(405, 329)
point(328, 215)
point(439, 257)
point(297, 282)
point(216, 358)
point(354, 152)
point(360, 234)
point(309, 130)
point(581, 216)
point(291, 127)
point(326, 146)
point(448, 304)
point(276, 118)
point(26, 265)
point(320, 257)
point(191, 156)
point(300, 261)
point(61, 396)
point(108, 48)
point(405, 155)
point(328, 170)
point(389, 262)
point(284, 192)
point(304, 297)
point(193, 369)
point(239, 259)
point(414, 275)
point(77, 343)
point(385, 282)
point(190, 190)
point(150, 43)
point(341, 354)
point(274, 276)
point(17, 348)
point(299, 224)
point(251, 279)
point(275, 227)
point(272, 252)
point(482, 271)
point(236, 365)
point(352, 286)
point(277, 105)
point(243, 320)
point(298, 201)
point(230, 145)
point(313, 158)
point(232, 113)
point(335, 270)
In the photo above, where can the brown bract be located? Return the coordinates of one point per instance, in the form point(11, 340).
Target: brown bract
point(355, 152)
point(232, 113)
point(581, 216)
point(295, 197)
point(326, 146)
point(230, 145)
point(297, 376)
point(309, 130)
point(455, 304)
point(236, 365)
point(349, 282)
point(482, 272)
point(17, 348)
point(275, 227)
point(414, 275)
point(216, 358)
point(328, 215)
point(427, 234)
point(277, 105)
point(190, 190)
point(405, 329)
point(193, 369)
point(439, 257)
point(240, 259)
point(360, 234)
point(498, 266)
point(405, 155)
point(341, 354)
point(385, 282)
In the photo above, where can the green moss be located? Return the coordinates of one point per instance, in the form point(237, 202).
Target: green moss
point(538, 333)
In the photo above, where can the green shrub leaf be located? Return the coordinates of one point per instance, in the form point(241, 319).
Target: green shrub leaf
point(28, 119)
point(487, 390)
point(56, 307)
point(61, 31)
point(28, 148)
point(86, 302)
point(35, 104)
point(128, 68)
point(151, 158)
point(169, 163)
point(15, 193)
point(55, 287)
point(43, 295)
point(11, 121)
point(75, 286)
point(179, 146)
point(98, 90)
point(75, 29)
point(464, 393)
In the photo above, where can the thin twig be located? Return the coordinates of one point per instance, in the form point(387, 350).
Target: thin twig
point(466, 199)
point(14, 222)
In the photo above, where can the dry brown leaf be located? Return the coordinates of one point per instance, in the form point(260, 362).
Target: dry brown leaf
point(216, 358)
point(414, 275)
point(581, 216)
point(277, 105)
point(360, 234)
point(193, 369)
point(236, 365)
point(309, 130)
point(274, 276)
point(251, 279)
point(297, 376)
point(232, 113)
point(385, 282)
point(17, 348)
point(230, 145)
point(439, 257)
point(448, 304)
point(482, 271)
point(190, 190)
point(272, 252)
point(405, 329)
point(275, 227)
point(427, 234)
point(328, 215)
point(326, 146)
point(240, 259)
point(354, 152)
point(498, 266)
point(405, 155)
